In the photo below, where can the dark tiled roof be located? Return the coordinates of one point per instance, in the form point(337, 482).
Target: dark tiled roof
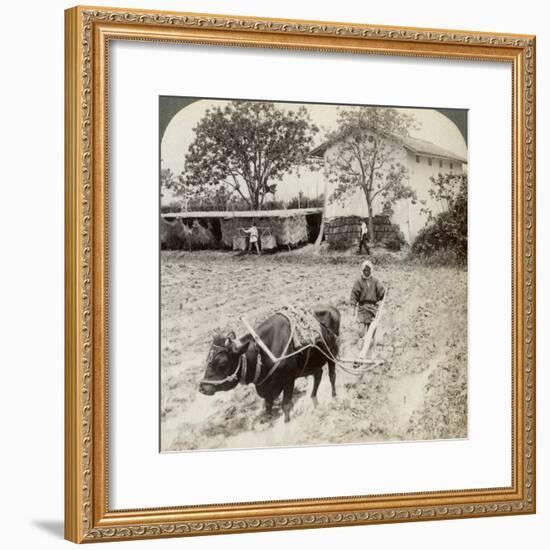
point(319, 151)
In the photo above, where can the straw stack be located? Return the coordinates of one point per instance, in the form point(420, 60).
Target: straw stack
point(176, 235)
point(239, 243)
point(200, 237)
point(293, 231)
point(173, 235)
point(345, 231)
point(287, 230)
point(268, 242)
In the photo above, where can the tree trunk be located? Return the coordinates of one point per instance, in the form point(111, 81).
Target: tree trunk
point(323, 217)
point(257, 201)
point(371, 221)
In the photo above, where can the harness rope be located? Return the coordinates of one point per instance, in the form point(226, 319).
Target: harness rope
point(230, 377)
point(330, 356)
point(242, 363)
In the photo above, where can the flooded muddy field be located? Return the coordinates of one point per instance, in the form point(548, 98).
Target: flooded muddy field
point(418, 391)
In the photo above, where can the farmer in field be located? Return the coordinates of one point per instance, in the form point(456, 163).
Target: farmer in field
point(253, 241)
point(365, 295)
point(364, 239)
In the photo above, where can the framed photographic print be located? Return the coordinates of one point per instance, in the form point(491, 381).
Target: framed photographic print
point(300, 274)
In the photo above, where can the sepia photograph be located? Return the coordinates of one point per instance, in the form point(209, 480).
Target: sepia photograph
point(313, 273)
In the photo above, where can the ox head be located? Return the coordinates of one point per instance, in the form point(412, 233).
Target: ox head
point(222, 364)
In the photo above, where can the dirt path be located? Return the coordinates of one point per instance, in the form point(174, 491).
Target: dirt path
point(419, 393)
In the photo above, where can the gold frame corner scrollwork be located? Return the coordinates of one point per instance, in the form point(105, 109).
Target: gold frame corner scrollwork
point(88, 32)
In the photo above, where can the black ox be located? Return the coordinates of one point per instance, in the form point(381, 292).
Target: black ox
point(231, 361)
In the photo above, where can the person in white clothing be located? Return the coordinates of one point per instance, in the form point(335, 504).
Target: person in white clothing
point(253, 239)
point(364, 239)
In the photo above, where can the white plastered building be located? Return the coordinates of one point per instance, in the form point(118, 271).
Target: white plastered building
point(423, 161)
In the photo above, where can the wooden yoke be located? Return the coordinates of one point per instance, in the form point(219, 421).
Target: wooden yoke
point(259, 341)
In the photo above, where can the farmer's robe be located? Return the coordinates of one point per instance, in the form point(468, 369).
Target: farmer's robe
point(366, 293)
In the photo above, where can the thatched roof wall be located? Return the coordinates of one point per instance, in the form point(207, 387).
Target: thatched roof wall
point(246, 214)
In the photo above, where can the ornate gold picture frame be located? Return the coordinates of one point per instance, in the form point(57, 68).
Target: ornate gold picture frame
point(89, 32)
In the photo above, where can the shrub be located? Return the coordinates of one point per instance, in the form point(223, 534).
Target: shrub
point(448, 231)
point(396, 242)
point(170, 208)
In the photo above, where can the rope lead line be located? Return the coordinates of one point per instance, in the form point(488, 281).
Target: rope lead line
point(276, 360)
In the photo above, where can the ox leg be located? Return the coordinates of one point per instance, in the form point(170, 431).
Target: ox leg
point(332, 377)
point(317, 375)
point(288, 390)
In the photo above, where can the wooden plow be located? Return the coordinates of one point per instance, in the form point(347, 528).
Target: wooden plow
point(368, 340)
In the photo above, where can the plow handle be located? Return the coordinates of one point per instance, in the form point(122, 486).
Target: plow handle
point(367, 342)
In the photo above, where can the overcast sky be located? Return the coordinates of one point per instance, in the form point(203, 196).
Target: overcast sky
point(179, 134)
